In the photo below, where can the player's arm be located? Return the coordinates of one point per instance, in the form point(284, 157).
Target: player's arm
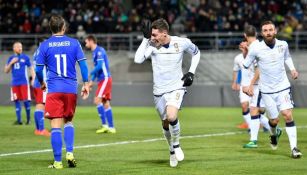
point(8, 67)
point(40, 75)
point(144, 50)
point(32, 75)
point(194, 51)
point(84, 73)
point(289, 63)
point(235, 86)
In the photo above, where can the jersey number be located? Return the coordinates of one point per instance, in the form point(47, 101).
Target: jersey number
point(16, 66)
point(61, 61)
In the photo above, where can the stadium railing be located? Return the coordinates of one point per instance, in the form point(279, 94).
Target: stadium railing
point(215, 41)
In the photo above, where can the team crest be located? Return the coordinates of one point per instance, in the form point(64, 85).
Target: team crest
point(280, 48)
point(176, 47)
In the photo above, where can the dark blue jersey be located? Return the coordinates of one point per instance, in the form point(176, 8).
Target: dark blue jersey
point(103, 71)
point(59, 54)
point(19, 69)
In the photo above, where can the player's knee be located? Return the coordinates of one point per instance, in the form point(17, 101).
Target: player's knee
point(171, 118)
point(245, 107)
point(274, 122)
point(97, 100)
point(106, 104)
point(287, 115)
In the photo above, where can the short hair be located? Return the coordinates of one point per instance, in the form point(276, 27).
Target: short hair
point(160, 24)
point(266, 23)
point(250, 31)
point(92, 38)
point(56, 23)
point(16, 42)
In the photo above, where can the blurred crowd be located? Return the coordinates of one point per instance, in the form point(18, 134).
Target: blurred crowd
point(120, 16)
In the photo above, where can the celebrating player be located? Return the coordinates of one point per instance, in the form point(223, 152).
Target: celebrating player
point(59, 54)
point(169, 82)
point(271, 55)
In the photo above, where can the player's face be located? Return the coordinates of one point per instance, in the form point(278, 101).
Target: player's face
point(268, 32)
point(17, 48)
point(87, 44)
point(158, 37)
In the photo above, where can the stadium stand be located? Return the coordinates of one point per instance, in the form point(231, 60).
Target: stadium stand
point(118, 16)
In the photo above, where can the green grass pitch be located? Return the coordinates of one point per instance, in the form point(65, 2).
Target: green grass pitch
point(211, 142)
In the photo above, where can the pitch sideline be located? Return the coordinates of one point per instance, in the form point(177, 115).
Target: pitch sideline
point(129, 142)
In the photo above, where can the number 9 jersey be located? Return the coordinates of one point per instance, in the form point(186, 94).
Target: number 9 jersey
point(59, 54)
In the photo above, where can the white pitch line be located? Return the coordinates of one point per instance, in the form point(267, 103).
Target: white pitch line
point(129, 142)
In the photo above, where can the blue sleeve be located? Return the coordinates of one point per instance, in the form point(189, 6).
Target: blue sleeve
point(239, 76)
point(80, 54)
point(97, 67)
point(40, 57)
point(84, 70)
point(39, 73)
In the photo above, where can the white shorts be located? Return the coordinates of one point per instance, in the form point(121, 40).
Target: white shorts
point(256, 100)
point(173, 98)
point(277, 102)
point(243, 97)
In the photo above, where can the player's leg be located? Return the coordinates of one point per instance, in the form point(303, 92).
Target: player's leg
point(15, 96)
point(69, 131)
point(100, 107)
point(55, 112)
point(244, 100)
point(160, 103)
point(271, 107)
point(173, 104)
point(264, 121)
point(56, 142)
point(39, 118)
point(26, 97)
point(109, 116)
point(286, 110)
point(102, 115)
point(254, 128)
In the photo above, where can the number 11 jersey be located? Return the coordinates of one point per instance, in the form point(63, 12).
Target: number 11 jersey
point(59, 54)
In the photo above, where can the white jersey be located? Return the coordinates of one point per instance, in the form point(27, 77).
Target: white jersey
point(273, 77)
point(167, 62)
point(238, 65)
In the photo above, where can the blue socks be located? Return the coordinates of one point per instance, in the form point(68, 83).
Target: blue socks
point(18, 111)
point(56, 143)
point(39, 120)
point(28, 109)
point(109, 117)
point(101, 114)
point(69, 133)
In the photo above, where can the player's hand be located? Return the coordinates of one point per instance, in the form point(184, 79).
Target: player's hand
point(14, 60)
point(235, 86)
point(43, 86)
point(187, 79)
point(250, 90)
point(294, 74)
point(146, 27)
point(90, 85)
point(85, 91)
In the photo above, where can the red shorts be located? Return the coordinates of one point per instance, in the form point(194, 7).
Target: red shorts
point(40, 95)
point(104, 89)
point(60, 105)
point(21, 92)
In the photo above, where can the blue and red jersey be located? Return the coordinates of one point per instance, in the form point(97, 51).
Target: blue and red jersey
point(59, 54)
point(101, 63)
point(19, 69)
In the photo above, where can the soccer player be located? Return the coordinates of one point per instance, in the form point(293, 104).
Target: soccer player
point(169, 83)
point(20, 90)
point(275, 89)
point(59, 55)
point(40, 99)
point(250, 82)
point(102, 74)
point(244, 98)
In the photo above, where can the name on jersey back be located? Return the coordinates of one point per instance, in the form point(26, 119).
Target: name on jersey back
point(59, 44)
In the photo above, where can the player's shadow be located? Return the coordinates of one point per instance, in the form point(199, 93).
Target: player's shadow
point(163, 162)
